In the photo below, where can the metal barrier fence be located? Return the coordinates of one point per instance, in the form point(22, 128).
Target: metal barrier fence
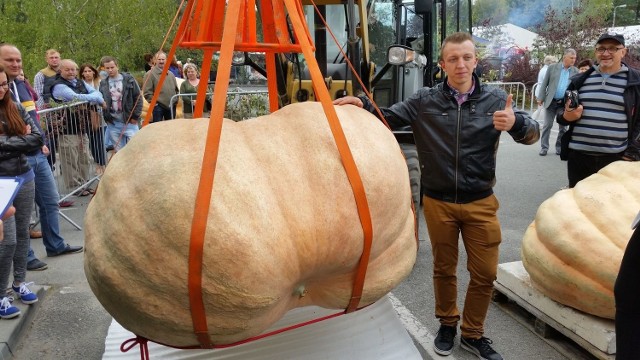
point(534, 88)
point(518, 89)
point(244, 104)
point(76, 141)
point(241, 104)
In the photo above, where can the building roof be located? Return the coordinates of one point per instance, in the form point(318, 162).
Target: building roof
point(631, 33)
point(512, 35)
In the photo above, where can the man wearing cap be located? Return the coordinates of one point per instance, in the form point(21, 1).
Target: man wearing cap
point(604, 127)
point(551, 95)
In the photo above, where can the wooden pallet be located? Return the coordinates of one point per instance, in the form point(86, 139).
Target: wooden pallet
point(593, 334)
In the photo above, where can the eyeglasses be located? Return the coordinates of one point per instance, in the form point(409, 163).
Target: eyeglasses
point(611, 50)
point(4, 85)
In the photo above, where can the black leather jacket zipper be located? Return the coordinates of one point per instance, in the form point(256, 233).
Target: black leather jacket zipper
point(457, 151)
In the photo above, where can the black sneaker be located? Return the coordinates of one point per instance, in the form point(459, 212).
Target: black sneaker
point(481, 347)
point(68, 249)
point(443, 343)
point(36, 265)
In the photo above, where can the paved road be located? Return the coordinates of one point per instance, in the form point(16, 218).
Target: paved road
point(524, 181)
point(69, 323)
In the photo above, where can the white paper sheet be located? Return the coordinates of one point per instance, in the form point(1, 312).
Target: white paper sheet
point(8, 190)
point(372, 333)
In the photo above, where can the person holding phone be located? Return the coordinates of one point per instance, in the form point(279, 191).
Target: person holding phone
point(605, 126)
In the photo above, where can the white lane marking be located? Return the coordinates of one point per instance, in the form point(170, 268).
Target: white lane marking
point(418, 331)
point(69, 290)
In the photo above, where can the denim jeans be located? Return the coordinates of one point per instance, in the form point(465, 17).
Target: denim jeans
point(161, 113)
point(115, 129)
point(47, 198)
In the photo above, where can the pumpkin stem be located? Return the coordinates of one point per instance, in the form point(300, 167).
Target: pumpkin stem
point(300, 291)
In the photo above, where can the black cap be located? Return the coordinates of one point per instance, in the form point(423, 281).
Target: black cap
point(613, 36)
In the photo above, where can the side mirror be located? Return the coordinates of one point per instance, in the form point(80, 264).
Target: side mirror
point(239, 58)
point(402, 55)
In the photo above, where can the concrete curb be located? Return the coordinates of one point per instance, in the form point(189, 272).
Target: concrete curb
point(11, 329)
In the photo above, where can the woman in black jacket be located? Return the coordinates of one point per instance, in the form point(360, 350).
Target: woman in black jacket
point(18, 136)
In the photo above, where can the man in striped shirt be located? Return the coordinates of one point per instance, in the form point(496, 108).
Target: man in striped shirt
point(604, 127)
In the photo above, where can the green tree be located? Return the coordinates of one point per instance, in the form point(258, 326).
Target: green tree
point(590, 9)
point(381, 31)
point(86, 30)
point(490, 12)
point(626, 15)
point(556, 33)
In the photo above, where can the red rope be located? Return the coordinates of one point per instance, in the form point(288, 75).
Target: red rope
point(138, 340)
point(144, 349)
point(275, 332)
point(353, 70)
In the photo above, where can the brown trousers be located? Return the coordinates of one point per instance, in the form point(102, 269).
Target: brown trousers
point(481, 236)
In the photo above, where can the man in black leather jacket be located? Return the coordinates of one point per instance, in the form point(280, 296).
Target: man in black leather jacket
point(457, 127)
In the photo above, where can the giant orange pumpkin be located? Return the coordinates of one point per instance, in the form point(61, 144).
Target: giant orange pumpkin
point(283, 230)
point(573, 249)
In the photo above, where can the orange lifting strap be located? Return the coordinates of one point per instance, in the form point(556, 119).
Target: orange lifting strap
point(227, 26)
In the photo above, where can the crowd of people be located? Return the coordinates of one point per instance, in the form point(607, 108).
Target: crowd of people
point(86, 135)
point(102, 112)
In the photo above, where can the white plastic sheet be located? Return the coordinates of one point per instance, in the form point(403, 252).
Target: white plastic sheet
point(538, 115)
point(373, 333)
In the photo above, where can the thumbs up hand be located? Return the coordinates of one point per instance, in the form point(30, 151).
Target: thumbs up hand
point(503, 120)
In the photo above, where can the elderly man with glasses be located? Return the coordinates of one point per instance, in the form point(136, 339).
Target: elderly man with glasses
point(604, 126)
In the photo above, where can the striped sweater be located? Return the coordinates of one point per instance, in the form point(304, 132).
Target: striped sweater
point(603, 127)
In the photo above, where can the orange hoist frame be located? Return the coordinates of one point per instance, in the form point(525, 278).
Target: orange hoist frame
point(228, 26)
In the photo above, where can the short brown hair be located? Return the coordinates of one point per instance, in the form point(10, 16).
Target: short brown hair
point(106, 59)
point(455, 38)
point(585, 62)
point(51, 51)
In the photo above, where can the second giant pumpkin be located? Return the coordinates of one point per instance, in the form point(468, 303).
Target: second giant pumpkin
point(573, 249)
